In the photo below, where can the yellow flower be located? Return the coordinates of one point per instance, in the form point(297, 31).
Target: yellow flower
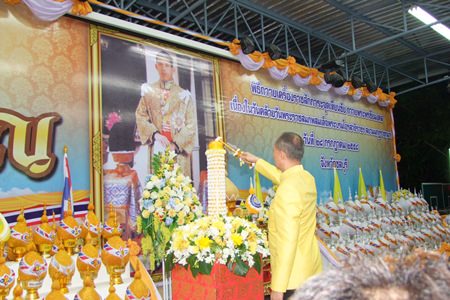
point(180, 178)
point(180, 244)
point(219, 241)
point(145, 214)
point(203, 224)
point(172, 213)
point(181, 214)
point(180, 221)
point(158, 203)
point(219, 225)
point(236, 223)
point(252, 247)
point(237, 239)
point(145, 194)
point(252, 237)
point(203, 243)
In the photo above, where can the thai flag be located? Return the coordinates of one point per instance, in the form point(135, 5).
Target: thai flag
point(67, 191)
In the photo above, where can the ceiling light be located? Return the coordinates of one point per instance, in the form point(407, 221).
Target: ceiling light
point(247, 45)
point(274, 52)
point(334, 79)
point(332, 66)
point(357, 82)
point(371, 87)
point(427, 19)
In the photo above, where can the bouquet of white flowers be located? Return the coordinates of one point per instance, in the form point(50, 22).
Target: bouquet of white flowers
point(169, 200)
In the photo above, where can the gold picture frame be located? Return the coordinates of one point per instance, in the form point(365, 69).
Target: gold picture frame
point(96, 102)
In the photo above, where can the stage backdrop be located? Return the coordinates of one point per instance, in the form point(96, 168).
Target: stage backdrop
point(338, 131)
point(70, 83)
point(43, 107)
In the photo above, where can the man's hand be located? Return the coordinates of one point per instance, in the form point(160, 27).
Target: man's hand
point(249, 158)
point(276, 295)
point(162, 140)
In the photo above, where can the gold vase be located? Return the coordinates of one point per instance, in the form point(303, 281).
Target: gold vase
point(32, 287)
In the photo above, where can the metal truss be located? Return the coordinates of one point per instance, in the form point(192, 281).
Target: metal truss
point(312, 47)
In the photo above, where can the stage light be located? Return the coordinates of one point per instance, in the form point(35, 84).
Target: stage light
point(357, 82)
point(371, 87)
point(331, 66)
point(247, 45)
point(274, 52)
point(426, 18)
point(334, 79)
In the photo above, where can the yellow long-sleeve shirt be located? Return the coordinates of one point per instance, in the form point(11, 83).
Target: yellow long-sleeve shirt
point(294, 251)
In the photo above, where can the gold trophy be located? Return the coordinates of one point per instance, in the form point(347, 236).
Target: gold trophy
point(44, 235)
point(69, 231)
point(7, 277)
point(91, 225)
point(62, 269)
point(20, 241)
point(115, 256)
point(88, 261)
point(111, 224)
point(32, 271)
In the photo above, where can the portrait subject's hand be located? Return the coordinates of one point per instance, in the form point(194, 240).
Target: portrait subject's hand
point(249, 158)
point(162, 140)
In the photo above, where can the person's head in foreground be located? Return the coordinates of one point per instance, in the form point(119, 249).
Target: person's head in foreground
point(414, 277)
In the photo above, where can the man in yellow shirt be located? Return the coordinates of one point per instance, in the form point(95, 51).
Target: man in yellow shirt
point(294, 250)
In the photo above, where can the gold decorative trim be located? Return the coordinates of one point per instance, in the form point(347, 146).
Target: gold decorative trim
point(97, 152)
point(93, 35)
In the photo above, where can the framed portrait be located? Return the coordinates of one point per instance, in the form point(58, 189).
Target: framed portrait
point(145, 97)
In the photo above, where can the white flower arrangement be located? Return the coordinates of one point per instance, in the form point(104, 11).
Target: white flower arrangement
point(169, 200)
point(230, 241)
